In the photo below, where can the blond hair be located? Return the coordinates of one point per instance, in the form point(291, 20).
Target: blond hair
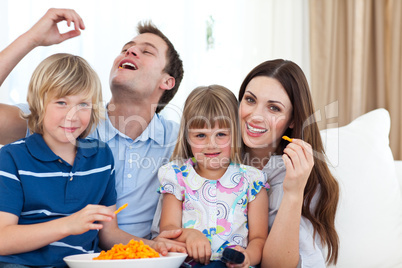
point(58, 76)
point(205, 107)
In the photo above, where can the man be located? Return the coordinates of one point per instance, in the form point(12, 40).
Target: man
point(144, 77)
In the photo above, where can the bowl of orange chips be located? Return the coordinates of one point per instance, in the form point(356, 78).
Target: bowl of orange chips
point(134, 255)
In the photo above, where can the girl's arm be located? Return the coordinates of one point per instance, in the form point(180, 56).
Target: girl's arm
point(17, 238)
point(171, 213)
point(198, 246)
point(282, 246)
point(258, 230)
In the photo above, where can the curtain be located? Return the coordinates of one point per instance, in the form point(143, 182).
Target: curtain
point(356, 58)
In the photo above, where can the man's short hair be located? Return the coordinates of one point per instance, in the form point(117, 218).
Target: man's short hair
point(174, 65)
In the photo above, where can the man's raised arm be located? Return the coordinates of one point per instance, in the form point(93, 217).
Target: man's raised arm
point(44, 33)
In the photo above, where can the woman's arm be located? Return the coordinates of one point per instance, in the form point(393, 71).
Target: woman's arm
point(281, 248)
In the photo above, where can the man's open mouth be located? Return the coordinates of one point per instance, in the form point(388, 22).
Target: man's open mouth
point(128, 65)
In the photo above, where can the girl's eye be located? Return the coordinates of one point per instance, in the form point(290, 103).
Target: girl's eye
point(221, 134)
point(200, 135)
point(61, 102)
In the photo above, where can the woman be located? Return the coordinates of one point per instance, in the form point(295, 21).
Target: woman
point(275, 100)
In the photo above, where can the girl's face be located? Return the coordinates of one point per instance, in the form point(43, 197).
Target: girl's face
point(65, 119)
point(211, 148)
point(265, 113)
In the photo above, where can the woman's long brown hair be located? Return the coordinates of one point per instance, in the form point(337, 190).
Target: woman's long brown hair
point(320, 181)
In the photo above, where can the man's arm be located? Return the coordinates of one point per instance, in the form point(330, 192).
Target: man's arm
point(111, 234)
point(12, 126)
point(43, 33)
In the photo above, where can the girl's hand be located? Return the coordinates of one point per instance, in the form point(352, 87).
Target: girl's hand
point(87, 219)
point(198, 246)
point(299, 161)
point(45, 32)
point(246, 262)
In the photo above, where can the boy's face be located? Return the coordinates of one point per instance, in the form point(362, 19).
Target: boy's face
point(65, 119)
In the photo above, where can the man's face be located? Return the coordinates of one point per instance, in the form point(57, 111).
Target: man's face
point(139, 67)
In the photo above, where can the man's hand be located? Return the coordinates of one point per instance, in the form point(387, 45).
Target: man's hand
point(165, 242)
point(45, 32)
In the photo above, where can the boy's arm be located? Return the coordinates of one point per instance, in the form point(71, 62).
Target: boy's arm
point(43, 33)
point(17, 238)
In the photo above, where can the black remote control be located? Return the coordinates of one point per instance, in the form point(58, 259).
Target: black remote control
point(230, 255)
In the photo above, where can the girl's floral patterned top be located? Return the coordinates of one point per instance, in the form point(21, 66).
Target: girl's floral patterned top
point(217, 208)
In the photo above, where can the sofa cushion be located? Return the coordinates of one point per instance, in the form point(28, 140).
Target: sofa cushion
point(369, 216)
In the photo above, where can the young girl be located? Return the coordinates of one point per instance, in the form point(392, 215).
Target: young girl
point(48, 179)
point(219, 202)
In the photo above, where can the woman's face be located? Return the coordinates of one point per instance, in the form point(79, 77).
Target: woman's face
point(265, 113)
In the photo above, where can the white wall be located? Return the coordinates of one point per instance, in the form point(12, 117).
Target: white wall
point(246, 33)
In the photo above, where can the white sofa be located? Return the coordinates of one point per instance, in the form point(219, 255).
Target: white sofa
point(369, 217)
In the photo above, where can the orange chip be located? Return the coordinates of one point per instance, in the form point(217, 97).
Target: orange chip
point(133, 250)
point(121, 208)
point(287, 138)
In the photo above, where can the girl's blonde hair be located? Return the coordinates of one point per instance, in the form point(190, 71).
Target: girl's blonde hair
point(205, 107)
point(58, 76)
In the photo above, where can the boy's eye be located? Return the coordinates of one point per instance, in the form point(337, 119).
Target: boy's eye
point(61, 102)
point(84, 105)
